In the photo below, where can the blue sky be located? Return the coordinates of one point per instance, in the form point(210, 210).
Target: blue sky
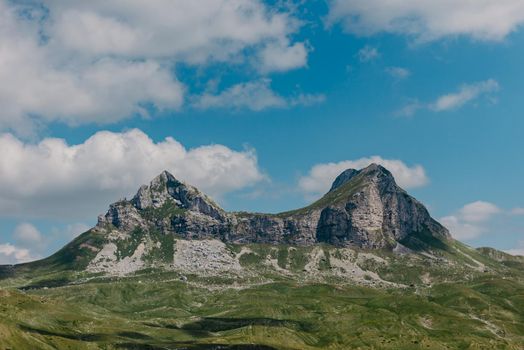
point(263, 103)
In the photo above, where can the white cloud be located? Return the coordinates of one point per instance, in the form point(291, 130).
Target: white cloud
point(398, 72)
point(466, 93)
point(253, 95)
point(306, 99)
point(54, 179)
point(27, 233)
point(368, 53)
point(517, 251)
point(460, 229)
point(10, 254)
point(278, 57)
point(470, 221)
point(186, 30)
point(411, 108)
point(102, 61)
point(478, 211)
point(429, 19)
point(517, 211)
point(32, 244)
point(321, 176)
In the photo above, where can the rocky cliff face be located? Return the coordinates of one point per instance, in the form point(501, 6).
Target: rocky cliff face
point(364, 208)
point(368, 209)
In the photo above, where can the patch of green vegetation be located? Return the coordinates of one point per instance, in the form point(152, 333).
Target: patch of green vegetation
point(282, 257)
point(340, 194)
point(273, 252)
point(298, 258)
point(168, 210)
point(164, 248)
point(250, 259)
point(343, 193)
point(235, 248)
point(423, 240)
point(74, 256)
point(127, 246)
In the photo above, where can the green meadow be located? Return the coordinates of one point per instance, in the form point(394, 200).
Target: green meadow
point(156, 309)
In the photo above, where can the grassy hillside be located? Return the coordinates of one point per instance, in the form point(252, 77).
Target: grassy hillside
point(287, 306)
point(157, 312)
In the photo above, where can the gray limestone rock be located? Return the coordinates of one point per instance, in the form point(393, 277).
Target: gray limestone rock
point(364, 208)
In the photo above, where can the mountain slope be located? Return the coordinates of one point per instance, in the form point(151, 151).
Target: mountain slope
point(361, 231)
point(365, 209)
point(363, 267)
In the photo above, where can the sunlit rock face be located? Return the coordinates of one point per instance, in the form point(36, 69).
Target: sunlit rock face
point(370, 210)
point(364, 208)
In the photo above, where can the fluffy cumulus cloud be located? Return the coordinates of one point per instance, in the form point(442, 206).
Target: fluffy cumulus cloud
point(467, 93)
point(471, 220)
point(10, 254)
point(321, 176)
point(255, 96)
point(27, 233)
point(31, 243)
point(103, 61)
point(429, 19)
point(478, 211)
point(186, 30)
point(54, 179)
point(280, 57)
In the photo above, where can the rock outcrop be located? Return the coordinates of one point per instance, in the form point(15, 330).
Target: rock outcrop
point(364, 208)
point(368, 209)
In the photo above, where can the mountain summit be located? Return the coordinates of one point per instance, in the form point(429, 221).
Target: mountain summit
point(364, 209)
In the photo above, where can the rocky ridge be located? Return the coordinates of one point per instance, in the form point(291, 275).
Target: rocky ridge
point(171, 225)
point(364, 230)
point(364, 208)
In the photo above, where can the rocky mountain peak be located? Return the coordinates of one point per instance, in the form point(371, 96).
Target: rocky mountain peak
point(377, 170)
point(165, 189)
point(157, 202)
point(343, 178)
point(160, 189)
point(364, 208)
point(368, 209)
point(373, 173)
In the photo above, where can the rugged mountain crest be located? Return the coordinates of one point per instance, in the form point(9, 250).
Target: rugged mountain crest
point(165, 188)
point(364, 208)
point(368, 209)
point(344, 177)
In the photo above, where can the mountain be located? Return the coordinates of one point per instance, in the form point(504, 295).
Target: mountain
point(365, 266)
point(364, 209)
point(172, 226)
